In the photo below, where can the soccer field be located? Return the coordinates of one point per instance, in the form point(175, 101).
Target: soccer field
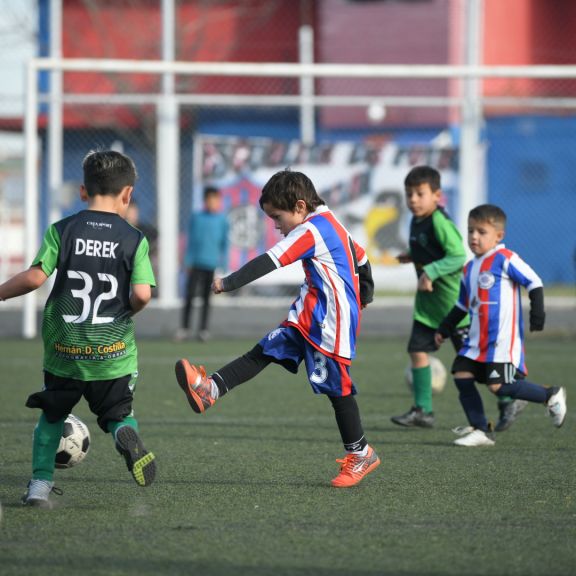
point(245, 488)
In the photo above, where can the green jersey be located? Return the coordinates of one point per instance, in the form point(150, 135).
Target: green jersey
point(436, 248)
point(87, 327)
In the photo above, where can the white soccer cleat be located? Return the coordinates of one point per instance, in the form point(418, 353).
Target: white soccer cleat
point(462, 430)
point(556, 407)
point(475, 438)
point(38, 493)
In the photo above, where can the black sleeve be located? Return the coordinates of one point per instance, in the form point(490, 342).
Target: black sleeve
point(454, 317)
point(256, 268)
point(537, 314)
point(366, 284)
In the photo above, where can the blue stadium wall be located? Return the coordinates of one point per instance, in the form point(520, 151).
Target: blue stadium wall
point(531, 164)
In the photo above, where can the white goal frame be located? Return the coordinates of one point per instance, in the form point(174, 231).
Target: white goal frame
point(470, 103)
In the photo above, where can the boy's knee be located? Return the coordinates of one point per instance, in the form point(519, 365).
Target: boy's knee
point(495, 389)
point(506, 389)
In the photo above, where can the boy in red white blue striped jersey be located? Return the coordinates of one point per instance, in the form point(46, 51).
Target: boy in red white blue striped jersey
point(493, 352)
point(322, 324)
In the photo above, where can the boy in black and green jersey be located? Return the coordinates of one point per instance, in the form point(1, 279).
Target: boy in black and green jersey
point(437, 252)
point(103, 278)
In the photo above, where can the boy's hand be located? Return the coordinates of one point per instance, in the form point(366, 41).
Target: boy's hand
point(438, 339)
point(217, 286)
point(424, 283)
point(404, 258)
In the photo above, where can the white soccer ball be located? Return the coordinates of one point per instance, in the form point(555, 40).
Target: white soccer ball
point(439, 375)
point(74, 444)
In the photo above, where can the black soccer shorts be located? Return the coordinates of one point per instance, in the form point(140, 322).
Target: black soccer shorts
point(110, 400)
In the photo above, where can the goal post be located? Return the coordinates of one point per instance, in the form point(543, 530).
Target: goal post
point(167, 126)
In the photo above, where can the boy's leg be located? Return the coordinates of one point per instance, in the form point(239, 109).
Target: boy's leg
point(56, 401)
point(202, 391)
point(111, 401)
point(420, 344)
point(45, 445)
point(554, 398)
point(422, 380)
point(360, 459)
point(471, 402)
point(332, 378)
point(189, 293)
point(206, 293)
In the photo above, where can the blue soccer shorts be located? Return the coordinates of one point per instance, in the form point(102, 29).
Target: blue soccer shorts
point(286, 346)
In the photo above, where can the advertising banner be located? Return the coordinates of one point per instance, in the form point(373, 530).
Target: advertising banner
point(362, 182)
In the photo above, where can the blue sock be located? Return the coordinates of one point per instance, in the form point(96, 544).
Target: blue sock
point(472, 403)
point(524, 390)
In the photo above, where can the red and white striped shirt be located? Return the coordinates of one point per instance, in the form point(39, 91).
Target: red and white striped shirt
point(327, 311)
point(490, 292)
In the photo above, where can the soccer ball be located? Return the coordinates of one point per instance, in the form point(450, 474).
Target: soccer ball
point(439, 375)
point(74, 444)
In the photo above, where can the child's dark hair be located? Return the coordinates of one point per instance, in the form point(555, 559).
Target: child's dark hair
point(423, 175)
point(285, 188)
point(107, 172)
point(489, 213)
point(211, 191)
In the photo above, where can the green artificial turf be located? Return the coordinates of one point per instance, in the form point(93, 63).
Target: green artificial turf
point(245, 488)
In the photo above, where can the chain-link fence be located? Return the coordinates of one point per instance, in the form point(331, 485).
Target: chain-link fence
point(235, 129)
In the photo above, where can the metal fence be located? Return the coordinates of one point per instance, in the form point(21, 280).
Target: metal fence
point(499, 133)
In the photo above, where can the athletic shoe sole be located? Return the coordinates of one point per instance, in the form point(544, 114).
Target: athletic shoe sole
point(140, 462)
point(186, 377)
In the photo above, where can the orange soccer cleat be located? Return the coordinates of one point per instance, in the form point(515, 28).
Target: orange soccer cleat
point(196, 385)
point(354, 467)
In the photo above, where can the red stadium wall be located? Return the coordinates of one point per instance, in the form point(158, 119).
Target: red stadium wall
point(525, 32)
point(250, 31)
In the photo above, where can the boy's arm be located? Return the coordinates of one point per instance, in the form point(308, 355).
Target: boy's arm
point(448, 325)
point(24, 282)
point(537, 314)
point(366, 284)
point(521, 273)
point(256, 268)
point(142, 279)
point(455, 255)
point(140, 295)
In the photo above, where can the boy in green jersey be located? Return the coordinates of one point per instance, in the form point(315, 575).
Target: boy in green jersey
point(103, 278)
point(437, 252)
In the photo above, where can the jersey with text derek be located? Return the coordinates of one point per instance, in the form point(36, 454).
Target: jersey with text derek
point(87, 328)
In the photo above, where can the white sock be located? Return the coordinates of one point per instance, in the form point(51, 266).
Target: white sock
point(214, 391)
point(363, 452)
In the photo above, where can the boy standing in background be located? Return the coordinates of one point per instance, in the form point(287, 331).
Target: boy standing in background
point(206, 251)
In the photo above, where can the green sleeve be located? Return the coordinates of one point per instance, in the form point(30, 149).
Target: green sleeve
point(142, 272)
point(47, 256)
point(455, 255)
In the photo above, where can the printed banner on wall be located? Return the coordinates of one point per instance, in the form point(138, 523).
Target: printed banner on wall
point(362, 182)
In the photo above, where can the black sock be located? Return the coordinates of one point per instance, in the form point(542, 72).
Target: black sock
point(240, 370)
point(348, 420)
